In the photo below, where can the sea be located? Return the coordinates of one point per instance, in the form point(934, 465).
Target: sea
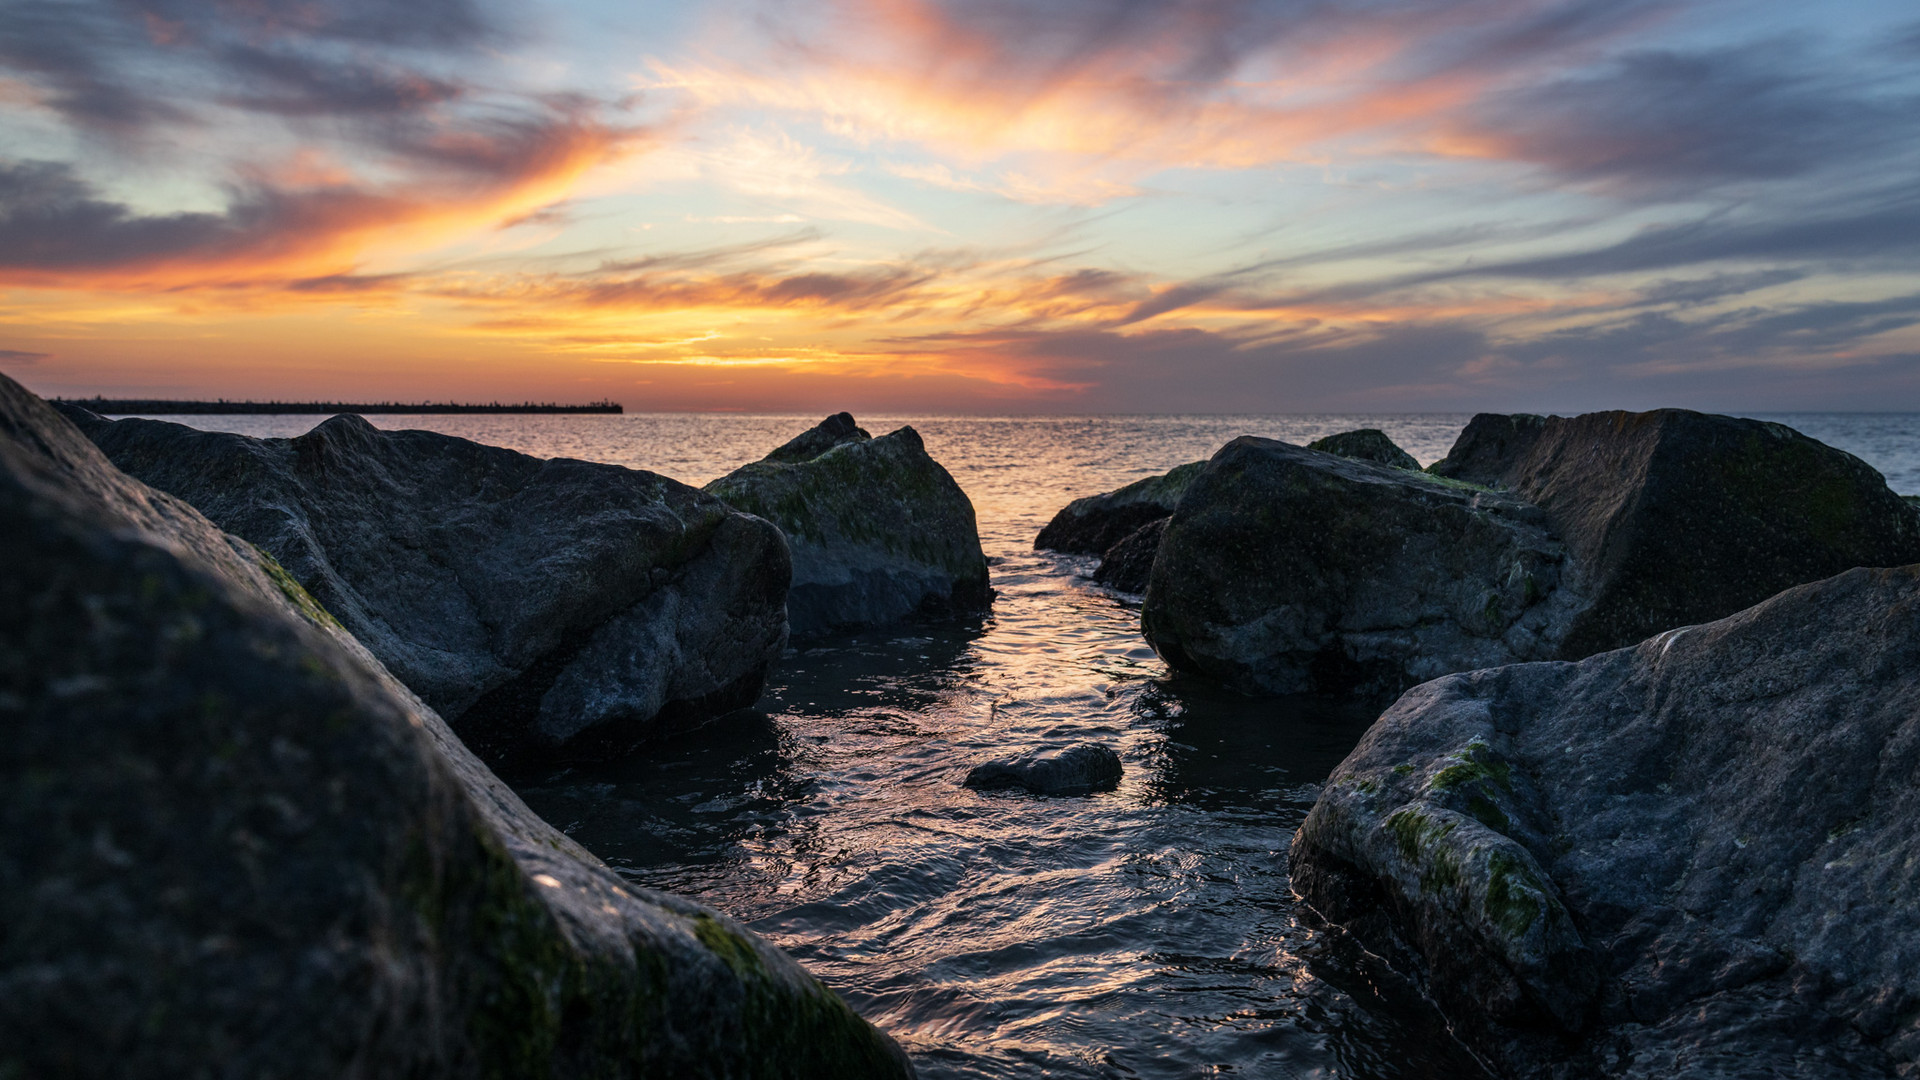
point(1143, 932)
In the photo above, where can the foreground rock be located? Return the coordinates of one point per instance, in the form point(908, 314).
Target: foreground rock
point(1075, 770)
point(1286, 570)
point(878, 529)
point(1675, 517)
point(1289, 570)
point(231, 844)
point(1697, 857)
point(542, 606)
point(1091, 525)
point(1366, 444)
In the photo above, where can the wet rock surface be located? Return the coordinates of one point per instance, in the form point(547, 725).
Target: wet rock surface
point(1128, 564)
point(878, 530)
point(1675, 517)
point(231, 843)
point(1695, 857)
point(544, 606)
point(1075, 770)
point(1366, 444)
point(1289, 570)
point(1091, 525)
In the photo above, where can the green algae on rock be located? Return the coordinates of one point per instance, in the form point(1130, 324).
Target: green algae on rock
point(877, 528)
point(1091, 524)
point(231, 843)
point(541, 606)
point(1694, 857)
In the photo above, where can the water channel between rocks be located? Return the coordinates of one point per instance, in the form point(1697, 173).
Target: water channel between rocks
point(1144, 932)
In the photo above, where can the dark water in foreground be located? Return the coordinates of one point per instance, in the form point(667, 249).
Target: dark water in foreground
point(1145, 932)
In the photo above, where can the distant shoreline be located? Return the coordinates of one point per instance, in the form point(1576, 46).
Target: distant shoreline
point(158, 407)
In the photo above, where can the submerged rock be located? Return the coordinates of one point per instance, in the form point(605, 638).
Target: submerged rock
point(232, 844)
point(1075, 770)
point(1696, 857)
point(878, 529)
point(540, 605)
point(1288, 570)
point(1675, 517)
point(1091, 525)
point(1128, 564)
point(1366, 444)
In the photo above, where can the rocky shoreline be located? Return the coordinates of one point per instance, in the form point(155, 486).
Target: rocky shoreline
point(1642, 804)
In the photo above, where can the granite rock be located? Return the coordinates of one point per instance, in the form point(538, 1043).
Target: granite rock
point(878, 529)
point(1289, 570)
point(1092, 524)
point(1075, 770)
point(1698, 857)
point(1366, 444)
point(543, 606)
point(231, 844)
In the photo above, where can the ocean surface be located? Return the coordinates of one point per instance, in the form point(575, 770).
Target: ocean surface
point(1144, 932)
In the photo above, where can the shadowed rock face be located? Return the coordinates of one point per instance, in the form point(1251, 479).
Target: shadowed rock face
point(1675, 517)
point(1366, 444)
point(1128, 564)
point(878, 529)
point(544, 606)
point(1289, 570)
point(232, 844)
point(1696, 857)
point(1091, 525)
point(1074, 770)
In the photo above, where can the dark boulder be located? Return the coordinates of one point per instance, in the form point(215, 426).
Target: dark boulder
point(1696, 857)
point(1075, 770)
point(878, 529)
point(542, 606)
point(1366, 444)
point(1128, 564)
point(231, 844)
point(1094, 523)
point(1289, 570)
point(1674, 517)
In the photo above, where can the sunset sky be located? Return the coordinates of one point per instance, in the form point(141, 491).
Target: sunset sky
point(967, 206)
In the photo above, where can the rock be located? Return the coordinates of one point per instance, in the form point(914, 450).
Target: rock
point(1674, 517)
point(1091, 525)
point(1366, 444)
point(1128, 564)
point(231, 844)
point(878, 529)
point(1288, 570)
point(542, 606)
point(1697, 857)
point(1076, 770)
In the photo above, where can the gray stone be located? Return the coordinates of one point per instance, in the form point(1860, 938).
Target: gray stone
point(542, 606)
point(1094, 523)
point(1366, 444)
point(878, 529)
point(1075, 770)
point(232, 845)
point(1696, 857)
point(1128, 564)
point(1675, 517)
point(1288, 570)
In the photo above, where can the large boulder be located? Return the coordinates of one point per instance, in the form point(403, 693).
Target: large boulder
point(878, 529)
point(541, 606)
point(1675, 517)
point(1366, 444)
point(1288, 570)
point(1128, 564)
point(1696, 857)
point(231, 844)
point(1091, 524)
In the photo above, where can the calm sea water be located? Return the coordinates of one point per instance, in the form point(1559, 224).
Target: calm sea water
point(1145, 932)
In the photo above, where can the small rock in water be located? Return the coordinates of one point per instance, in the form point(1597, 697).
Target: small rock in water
point(1076, 770)
point(1366, 444)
